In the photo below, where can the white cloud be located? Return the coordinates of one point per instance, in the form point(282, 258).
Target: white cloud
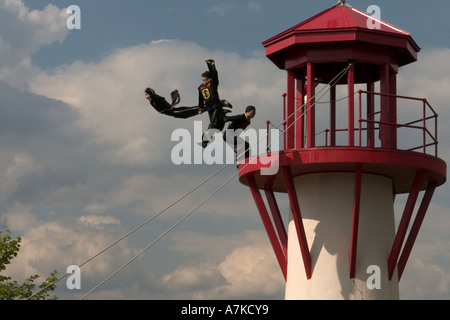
point(14, 166)
point(18, 218)
point(426, 78)
point(433, 282)
point(58, 244)
point(109, 95)
point(236, 267)
point(190, 279)
point(252, 271)
point(24, 31)
point(427, 275)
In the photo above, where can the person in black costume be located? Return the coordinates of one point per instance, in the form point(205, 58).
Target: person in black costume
point(209, 100)
point(162, 106)
point(240, 121)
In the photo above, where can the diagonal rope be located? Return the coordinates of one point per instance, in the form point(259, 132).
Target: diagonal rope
point(162, 235)
point(134, 230)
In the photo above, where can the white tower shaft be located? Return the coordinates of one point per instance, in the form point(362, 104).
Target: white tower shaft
point(326, 205)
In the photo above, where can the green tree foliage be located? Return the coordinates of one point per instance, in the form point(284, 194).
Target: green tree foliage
point(11, 289)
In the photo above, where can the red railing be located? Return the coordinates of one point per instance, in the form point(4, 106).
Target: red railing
point(424, 120)
point(421, 123)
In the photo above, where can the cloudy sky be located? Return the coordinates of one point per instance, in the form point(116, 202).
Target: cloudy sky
point(84, 158)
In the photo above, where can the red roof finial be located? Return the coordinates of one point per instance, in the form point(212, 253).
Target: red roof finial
point(341, 3)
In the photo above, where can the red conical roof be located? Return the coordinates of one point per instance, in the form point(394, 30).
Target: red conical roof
point(346, 17)
point(341, 24)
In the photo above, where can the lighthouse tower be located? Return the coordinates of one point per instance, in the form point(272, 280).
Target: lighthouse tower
point(346, 158)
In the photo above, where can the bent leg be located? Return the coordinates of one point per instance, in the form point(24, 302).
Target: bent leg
point(216, 118)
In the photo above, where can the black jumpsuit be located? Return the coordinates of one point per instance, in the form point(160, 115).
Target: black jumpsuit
point(208, 99)
point(162, 106)
point(240, 121)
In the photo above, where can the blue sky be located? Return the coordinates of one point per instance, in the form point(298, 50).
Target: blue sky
point(85, 159)
point(217, 25)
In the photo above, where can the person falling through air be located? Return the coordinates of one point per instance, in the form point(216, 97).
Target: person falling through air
point(238, 123)
point(209, 100)
point(162, 106)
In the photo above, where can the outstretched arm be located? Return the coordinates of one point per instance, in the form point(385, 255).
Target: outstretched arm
point(212, 68)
